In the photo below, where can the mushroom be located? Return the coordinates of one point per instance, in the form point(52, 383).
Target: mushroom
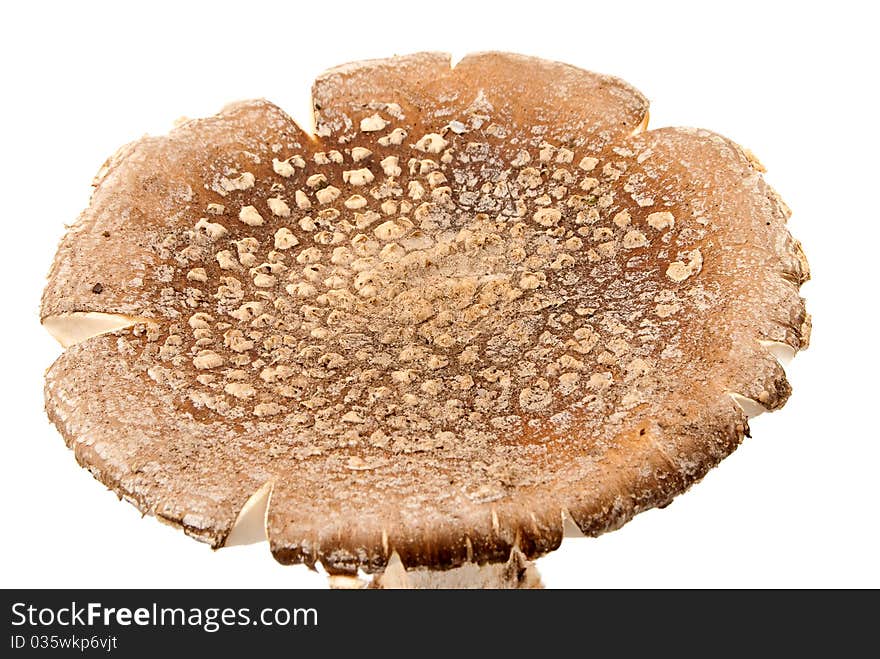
point(536, 316)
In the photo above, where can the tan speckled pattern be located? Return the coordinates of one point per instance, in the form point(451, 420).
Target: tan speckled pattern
point(475, 300)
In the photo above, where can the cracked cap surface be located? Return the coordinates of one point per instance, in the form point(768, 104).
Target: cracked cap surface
point(480, 296)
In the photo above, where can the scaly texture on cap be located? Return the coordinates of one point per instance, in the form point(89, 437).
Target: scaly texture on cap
point(479, 299)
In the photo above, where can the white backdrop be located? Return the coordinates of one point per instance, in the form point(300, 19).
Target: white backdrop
point(794, 506)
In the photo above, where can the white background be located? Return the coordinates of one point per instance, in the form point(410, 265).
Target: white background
point(794, 506)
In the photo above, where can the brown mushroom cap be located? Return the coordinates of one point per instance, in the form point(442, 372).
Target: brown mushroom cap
point(481, 297)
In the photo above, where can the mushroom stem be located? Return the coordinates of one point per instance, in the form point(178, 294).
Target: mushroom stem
point(517, 573)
